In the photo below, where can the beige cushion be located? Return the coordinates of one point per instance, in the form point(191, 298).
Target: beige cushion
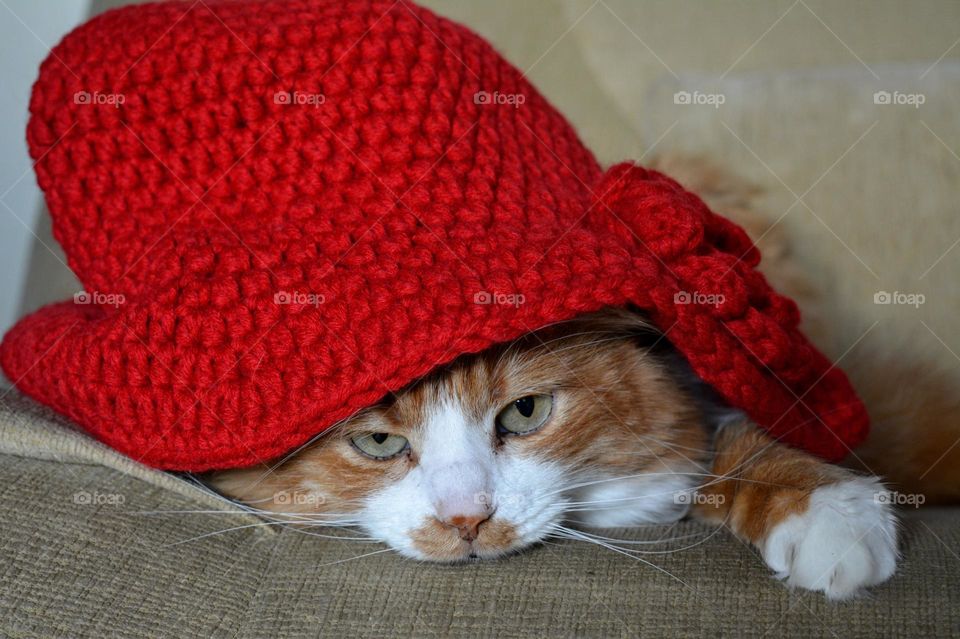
point(85, 552)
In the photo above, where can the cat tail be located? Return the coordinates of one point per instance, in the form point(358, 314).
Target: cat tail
point(914, 440)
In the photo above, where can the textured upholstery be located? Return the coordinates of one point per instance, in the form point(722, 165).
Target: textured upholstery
point(89, 548)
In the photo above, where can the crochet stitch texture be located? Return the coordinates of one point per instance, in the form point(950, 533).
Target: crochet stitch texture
point(283, 210)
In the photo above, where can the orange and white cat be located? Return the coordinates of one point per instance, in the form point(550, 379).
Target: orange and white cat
point(594, 422)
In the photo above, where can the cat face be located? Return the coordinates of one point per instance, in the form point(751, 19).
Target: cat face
point(489, 455)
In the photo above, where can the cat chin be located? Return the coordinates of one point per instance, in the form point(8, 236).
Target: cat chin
point(456, 552)
point(467, 556)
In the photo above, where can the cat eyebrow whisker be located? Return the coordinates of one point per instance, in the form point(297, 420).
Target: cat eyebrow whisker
point(581, 344)
point(564, 336)
point(515, 347)
point(616, 337)
point(560, 338)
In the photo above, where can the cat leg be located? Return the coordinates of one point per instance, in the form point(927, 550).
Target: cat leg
point(817, 526)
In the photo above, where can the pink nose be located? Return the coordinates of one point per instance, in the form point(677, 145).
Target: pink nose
point(468, 527)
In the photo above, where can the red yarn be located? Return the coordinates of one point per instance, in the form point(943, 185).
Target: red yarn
point(298, 206)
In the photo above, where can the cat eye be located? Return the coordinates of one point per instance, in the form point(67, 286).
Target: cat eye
point(525, 415)
point(380, 446)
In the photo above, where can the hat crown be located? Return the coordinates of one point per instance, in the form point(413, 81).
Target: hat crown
point(336, 118)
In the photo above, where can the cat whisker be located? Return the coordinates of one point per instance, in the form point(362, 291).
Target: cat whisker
point(310, 442)
point(632, 542)
point(287, 524)
point(577, 506)
point(224, 531)
point(375, 552)
point(668, 444)
point(365, 539)
point(222, 512)
point(576, 535)
point(732, 477)
point(621, 477)
point(296, 521)
point(268, 514)
point(713, 479)
point(603, 541)
point(259, 501)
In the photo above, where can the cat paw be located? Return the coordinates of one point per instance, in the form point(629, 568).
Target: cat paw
point(845, 541)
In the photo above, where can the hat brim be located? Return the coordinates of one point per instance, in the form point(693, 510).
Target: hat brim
point(187, 378)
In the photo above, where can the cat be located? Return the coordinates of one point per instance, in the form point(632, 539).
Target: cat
point(591, 423)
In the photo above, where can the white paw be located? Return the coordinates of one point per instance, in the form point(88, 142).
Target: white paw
point(845, 541)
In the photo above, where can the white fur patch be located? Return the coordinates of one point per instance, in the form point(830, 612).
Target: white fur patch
point(651, 498)
point(845, 541)
point(459, 474)
point(457, 463)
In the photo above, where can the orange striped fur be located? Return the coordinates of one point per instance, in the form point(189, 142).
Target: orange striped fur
point(625, 423)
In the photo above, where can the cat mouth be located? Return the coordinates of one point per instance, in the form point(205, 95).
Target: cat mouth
point(436, 542)
point(466, 552)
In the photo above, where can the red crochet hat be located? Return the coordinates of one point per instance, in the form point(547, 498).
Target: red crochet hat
point(282, 210)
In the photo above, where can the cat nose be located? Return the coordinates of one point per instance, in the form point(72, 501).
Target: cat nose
point(467, 526)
